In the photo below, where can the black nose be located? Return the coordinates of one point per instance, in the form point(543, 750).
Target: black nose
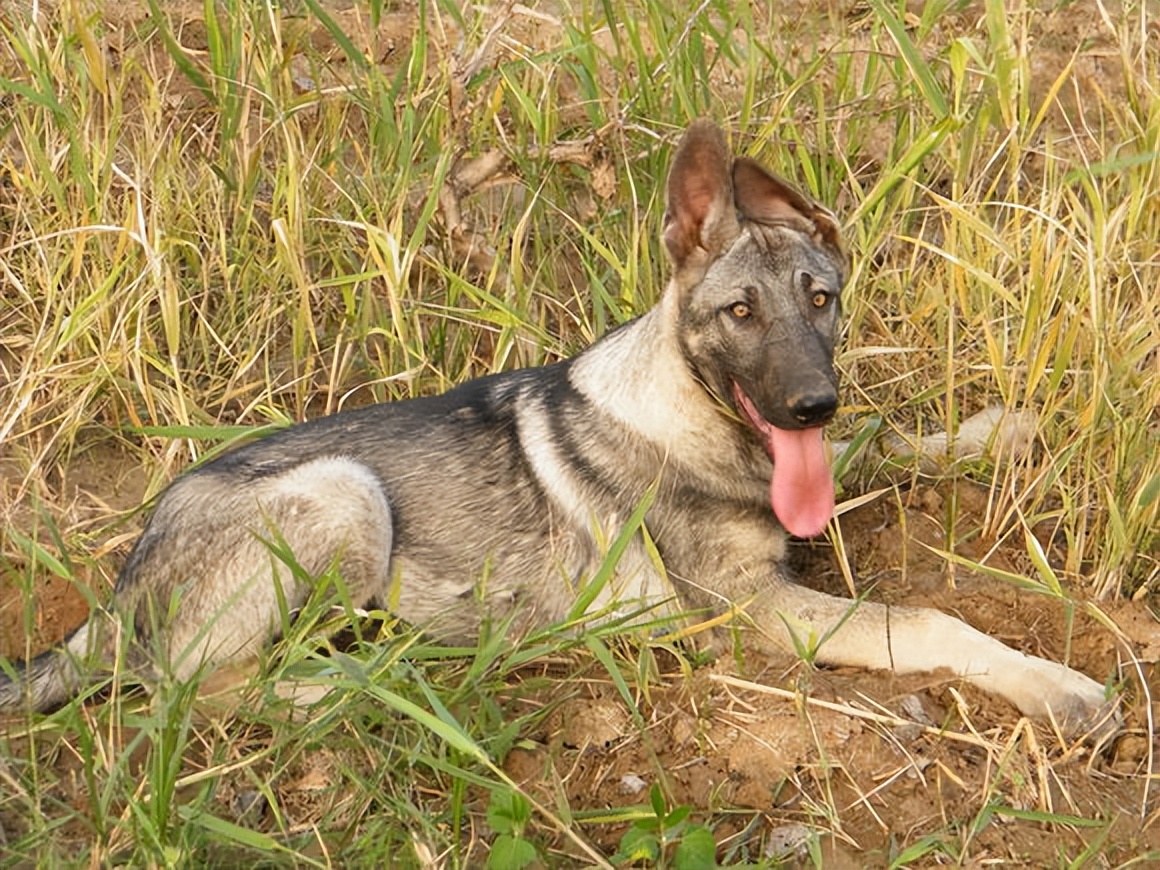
point(813, 408)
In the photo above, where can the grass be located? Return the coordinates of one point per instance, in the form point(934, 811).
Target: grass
point(226, 215)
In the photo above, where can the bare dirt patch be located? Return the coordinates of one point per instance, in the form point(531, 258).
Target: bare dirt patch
point(88, 492)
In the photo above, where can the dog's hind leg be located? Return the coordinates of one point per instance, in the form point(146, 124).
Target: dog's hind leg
point(210, 579)
point(224, 561)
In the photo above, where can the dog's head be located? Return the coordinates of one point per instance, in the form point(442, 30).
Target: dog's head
point(758, 269)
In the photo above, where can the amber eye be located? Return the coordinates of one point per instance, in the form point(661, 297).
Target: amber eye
point(820, 299)
point(740, 310)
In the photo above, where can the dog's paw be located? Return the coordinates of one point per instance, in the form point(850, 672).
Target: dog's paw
point(1077, 703)
point(996, 431)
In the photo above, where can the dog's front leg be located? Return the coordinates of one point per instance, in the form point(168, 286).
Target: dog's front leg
point(905, 640)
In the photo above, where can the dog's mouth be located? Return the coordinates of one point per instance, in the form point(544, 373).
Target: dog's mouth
point(801, 491)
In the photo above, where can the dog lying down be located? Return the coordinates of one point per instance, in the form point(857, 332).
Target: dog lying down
point(492, 502)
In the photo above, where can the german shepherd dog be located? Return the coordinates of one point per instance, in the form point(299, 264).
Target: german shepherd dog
point(489, 503)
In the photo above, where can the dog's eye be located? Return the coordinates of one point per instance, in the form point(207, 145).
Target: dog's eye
point(820, 299)
point(740, 310)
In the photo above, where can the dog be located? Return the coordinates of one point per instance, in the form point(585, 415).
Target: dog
point(494, 502)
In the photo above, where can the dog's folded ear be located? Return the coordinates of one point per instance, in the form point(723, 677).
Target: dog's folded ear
point(700, 218)
point(766, 199)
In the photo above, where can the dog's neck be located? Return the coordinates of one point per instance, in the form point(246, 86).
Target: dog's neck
point(640, 367)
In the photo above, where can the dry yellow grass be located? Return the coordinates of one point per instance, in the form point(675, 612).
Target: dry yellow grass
point(215, 216)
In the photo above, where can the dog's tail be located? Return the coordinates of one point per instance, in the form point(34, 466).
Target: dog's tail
point(52, 678)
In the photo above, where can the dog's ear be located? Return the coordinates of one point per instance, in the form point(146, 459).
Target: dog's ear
point(700, 217)
point(766, 199)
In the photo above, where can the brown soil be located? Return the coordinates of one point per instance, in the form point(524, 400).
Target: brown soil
point(91, 491)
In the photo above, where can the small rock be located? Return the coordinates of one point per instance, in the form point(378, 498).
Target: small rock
point(1131, 752)
point(248, 806)
point(786, 840)
point(630, 784)
point(910, 707)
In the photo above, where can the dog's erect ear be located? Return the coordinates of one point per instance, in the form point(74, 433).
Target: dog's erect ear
point(766, 199)
point(700, 216)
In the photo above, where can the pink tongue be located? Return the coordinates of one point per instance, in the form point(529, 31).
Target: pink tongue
point(802, 489)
